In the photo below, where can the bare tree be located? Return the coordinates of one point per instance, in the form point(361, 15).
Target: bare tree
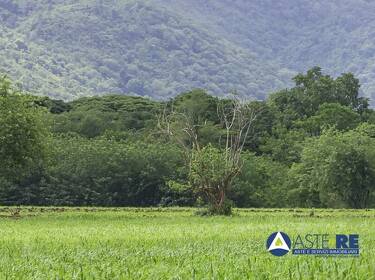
point(237, 118)
point(212, 169)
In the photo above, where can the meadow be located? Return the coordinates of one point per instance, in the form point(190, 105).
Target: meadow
point(173, 243)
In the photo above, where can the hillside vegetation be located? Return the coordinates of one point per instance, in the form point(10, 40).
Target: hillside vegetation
point(72, 49)
point(336, 35)
point(69, 49)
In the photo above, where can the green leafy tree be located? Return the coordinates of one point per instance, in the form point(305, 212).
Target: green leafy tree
point(109, 172)
point(211, 174)
point(338, 168)
point(260, 183)
point(23, 135)
point(331, 115)
point(284, 145)
point(312, 90)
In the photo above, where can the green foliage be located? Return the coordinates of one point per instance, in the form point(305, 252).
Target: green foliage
point(22, 132)
point(284, 145)
point(311, 146)
point(209, 165)
point(197, 111)
point(262, 127)
point(260, 183)
point(92, 117)
point(339, 168)
point(213, 167)
point(331, 115)
point(367, 129)
point(199, 106)
point(107, 172)
point(314, 90)
point(210, 176)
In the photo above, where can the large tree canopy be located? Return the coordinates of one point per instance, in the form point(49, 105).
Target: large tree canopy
point(311, 145)
point(338, 168)
point(22, 132)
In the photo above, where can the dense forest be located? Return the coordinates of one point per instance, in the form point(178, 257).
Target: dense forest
point(312, 145)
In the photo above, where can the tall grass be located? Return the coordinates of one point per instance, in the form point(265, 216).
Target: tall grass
point(94, 243)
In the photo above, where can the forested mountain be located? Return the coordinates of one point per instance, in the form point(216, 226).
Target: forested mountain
point(159, 48)
point(67, 49)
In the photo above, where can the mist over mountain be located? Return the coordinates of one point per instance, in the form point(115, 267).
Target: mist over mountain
point(67, 49)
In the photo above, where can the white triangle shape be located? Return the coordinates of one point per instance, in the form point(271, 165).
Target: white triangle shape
point(283, 246)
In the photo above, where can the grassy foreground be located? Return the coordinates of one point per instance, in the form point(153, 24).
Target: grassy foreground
point(94, 243)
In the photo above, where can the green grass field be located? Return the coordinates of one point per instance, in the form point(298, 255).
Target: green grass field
point(95, 243)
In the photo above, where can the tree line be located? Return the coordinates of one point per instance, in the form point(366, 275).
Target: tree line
point(312, 145)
